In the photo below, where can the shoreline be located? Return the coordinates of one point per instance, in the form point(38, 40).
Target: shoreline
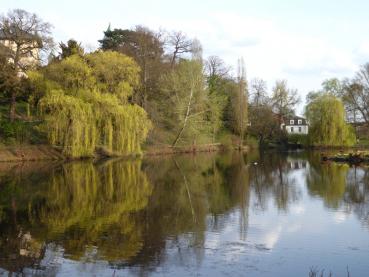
point(44, 152)
point(24, 153)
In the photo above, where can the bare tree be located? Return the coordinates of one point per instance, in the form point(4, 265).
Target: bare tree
point(356, 94)
point(23, 34)
point(181, 44)
point(215, 67)
point(258, 91)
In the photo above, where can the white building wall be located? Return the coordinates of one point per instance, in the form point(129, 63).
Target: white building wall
point(294, 129)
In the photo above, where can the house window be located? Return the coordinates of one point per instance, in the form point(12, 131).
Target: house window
point(292, 122)
point(299, 121)
point(291, 129)
point(300, 129)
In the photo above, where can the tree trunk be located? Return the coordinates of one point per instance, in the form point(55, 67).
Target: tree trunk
point(12, 107)
point(13, 100)
point(174, 56)
point(186, 117)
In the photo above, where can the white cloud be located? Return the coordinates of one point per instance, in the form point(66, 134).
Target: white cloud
point(340, 217)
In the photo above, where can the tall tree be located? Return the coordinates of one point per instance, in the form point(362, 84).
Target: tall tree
point(356, 95)
point(9, 82)
point(341, 89)
point(217, 79)
point(183, 102)
point(216, 68)
point(263, 123)
point(284, 99)
point(146, 48)
point(180, 44)
point(24, 34)
point(72, 47)
point(258, 92)
point(333, 86)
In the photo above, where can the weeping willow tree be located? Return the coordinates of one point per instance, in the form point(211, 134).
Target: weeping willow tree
point(85, 105)
point(326, 116)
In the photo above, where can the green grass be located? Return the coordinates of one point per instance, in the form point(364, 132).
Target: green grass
point(363, 142)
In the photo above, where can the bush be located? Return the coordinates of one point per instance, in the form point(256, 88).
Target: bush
point(298, 139)
point(20, 132)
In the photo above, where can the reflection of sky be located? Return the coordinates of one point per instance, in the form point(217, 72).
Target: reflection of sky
point(286, 243)
point(307, 234)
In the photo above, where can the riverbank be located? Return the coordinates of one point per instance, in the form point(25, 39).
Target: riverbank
point(45, 152)
point(348, 157)
point(29, 153)
point(169, 150)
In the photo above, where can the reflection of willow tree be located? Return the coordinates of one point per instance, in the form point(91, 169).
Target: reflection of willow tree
point(327, 181)
point(190, 193)
point(271, 179)
point(356, 197)
point(341, 187)
point(111, 211)
point(83, 205)
point(98, 200)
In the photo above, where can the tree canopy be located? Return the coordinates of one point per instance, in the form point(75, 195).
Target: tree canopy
point(23, 35)
point(328, 127)
point(85, 104)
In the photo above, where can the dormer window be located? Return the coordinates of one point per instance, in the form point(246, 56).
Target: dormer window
point(292, 122)
point(299, 121)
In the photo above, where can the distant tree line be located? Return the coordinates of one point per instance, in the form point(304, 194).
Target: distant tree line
point(151, 86)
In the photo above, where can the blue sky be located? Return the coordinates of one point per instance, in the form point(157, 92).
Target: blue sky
point(304, 42)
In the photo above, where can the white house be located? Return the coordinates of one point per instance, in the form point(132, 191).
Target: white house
point(295, 125)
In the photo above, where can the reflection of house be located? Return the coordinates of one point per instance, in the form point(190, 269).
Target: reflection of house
point(295, 125)
point(296, 164)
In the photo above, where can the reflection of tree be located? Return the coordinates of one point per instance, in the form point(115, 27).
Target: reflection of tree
point(111, 209)
point(18, 247)
point(327, 181)
point(81, 205)
point(98, 200)
point(356, 197)
point(190, 192)
point(270, 178)
point(340, 186)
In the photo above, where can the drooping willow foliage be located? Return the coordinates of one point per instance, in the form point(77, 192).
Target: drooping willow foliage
point(85, 105)
point(326, 116)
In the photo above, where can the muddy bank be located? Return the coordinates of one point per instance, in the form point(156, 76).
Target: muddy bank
point(29, 153)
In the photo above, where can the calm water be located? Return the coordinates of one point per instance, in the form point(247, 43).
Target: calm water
point(202, 215)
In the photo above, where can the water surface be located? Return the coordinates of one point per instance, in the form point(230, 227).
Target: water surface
point(271, 214)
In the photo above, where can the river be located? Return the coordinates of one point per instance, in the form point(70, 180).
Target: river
point(213, 214)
